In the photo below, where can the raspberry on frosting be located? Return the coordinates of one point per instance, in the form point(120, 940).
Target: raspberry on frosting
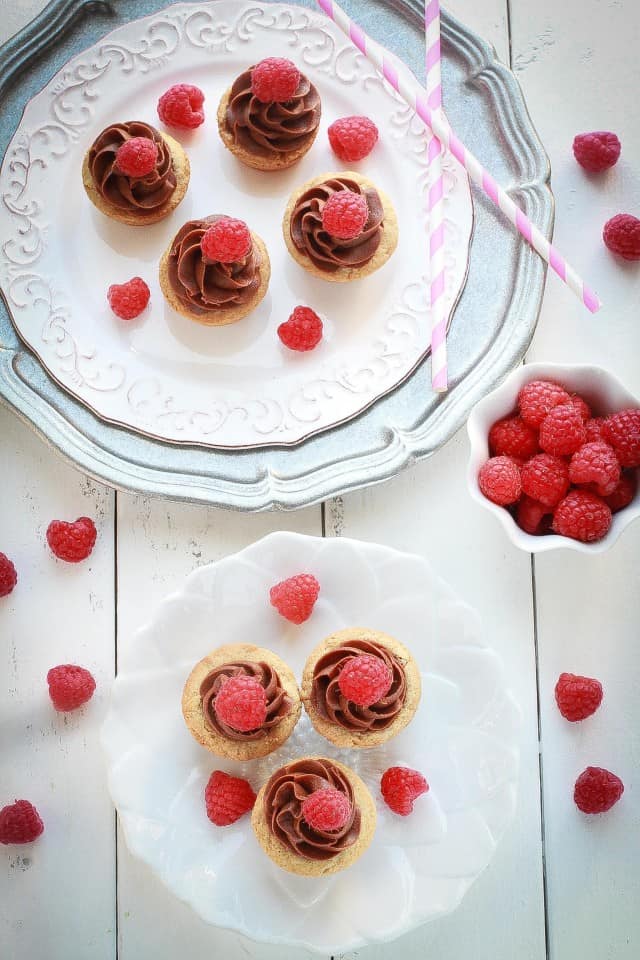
point(274, 80)
point(352, 138)
point(241, 703)
point(137, 157)
point(181, 106)
point(596, 151)
point(365, 679)
point(226, 241)
point(345, 214)
point(621, 234)
point(327, 809)
point(302, 331)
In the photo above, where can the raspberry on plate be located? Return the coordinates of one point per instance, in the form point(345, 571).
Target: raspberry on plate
point(577, 697)
point(128, 300)
point(20, 822)
point(181, 106)
point(562, 431)
point(583, 516)
point(365, 679)
point(345, 214)
point(226, 241)
point(532, 516)
point(295, 598)
point(499, 480)
point(352, 138)
point(8, 575)
point(595, 463)
point(597, 790)
point(512, 437)
point(537, 398)
point(70, 686)
point(241, 703)
point(400, 786)
point(621, 234)
point(545, 478)
point(302, 331)
point(274, 80)
point(327, 810)
point(227, 798)
point(72, 542)
point(623, 493)
point(137, 157)
point(596, 151)
point(622, 431)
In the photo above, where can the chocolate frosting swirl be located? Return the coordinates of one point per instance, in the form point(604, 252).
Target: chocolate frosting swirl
point(278, 701)
point(332, 705)
point(283, 798)
point(263, 129)
point(205, 285)
point(131, 193)
point(325, 251)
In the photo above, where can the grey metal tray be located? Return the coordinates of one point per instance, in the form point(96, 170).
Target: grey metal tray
point(491, 329)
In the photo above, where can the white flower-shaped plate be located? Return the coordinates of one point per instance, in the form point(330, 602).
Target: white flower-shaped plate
point(463, 737)
point(167, 376)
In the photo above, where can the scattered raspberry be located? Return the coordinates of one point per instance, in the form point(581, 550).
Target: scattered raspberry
point(72, 542)
point(226, 241)
point(513, 437)
point(594, 429)
point(20, 823)
point(499, 480)
point(596, 151)
point(622, 431)
point(128, 300)
point(365, 680)
point(577, 697)
point(562, 431)
point(345, 214)
point(596, 463)
point(352, 138)
point(8, 575)
point(241, 703)
point(302, 331)
point(274, 80)
point(294, 599)
point(582, 407)
point(621, 235)
point(327, 810)
point(227, 798)
point(70, 686)
point(597, 790)
point(582, 516)
point(623, 493)
point(400, 786)
point(181, 106)
point(537, 398)
point(532, 516)
point(545, 478)
point(137, 157)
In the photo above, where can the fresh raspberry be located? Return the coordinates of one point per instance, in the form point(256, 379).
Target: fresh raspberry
point(512, 437)
point(577, 697)
point(582, 515)
point(545, 478)
point(345, 214)
point(70, 686)
point(499, 480)
point(594, 429)
point(582, 407)
point(20, 823)
point(365, 680)
point(295, 598)
point(241, 703)
point(226, 241)
point(227, 798)
point(352, 138)
point(623, 493)
point(621, 235)
point(181, 106)
point(327, 810)
point(537, 398)
point(400, 786)
point(72, 542)
point(532, 516)
point(128, 300)
point(274, 80)
point(622, 431)
point(8, 575)
point(562, 431)
point(597, 790)
point(596, 151)
point(302, 331)
point(137, 157)
point(596, 463)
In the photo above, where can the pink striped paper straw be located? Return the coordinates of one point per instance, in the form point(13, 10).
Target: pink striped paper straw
point(435, 203)
point(416, 97)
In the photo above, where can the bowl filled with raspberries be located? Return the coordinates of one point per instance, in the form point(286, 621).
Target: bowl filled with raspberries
point(555, 455)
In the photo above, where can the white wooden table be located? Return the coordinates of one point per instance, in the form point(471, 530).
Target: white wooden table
point(560, 886)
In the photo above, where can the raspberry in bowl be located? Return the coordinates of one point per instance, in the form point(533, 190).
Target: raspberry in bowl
point(580, 489)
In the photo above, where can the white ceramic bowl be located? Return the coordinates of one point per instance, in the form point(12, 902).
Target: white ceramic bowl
point(605, 394)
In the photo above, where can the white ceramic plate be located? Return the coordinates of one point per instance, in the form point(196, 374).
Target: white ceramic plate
point(164, 375)
point(463, 737)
